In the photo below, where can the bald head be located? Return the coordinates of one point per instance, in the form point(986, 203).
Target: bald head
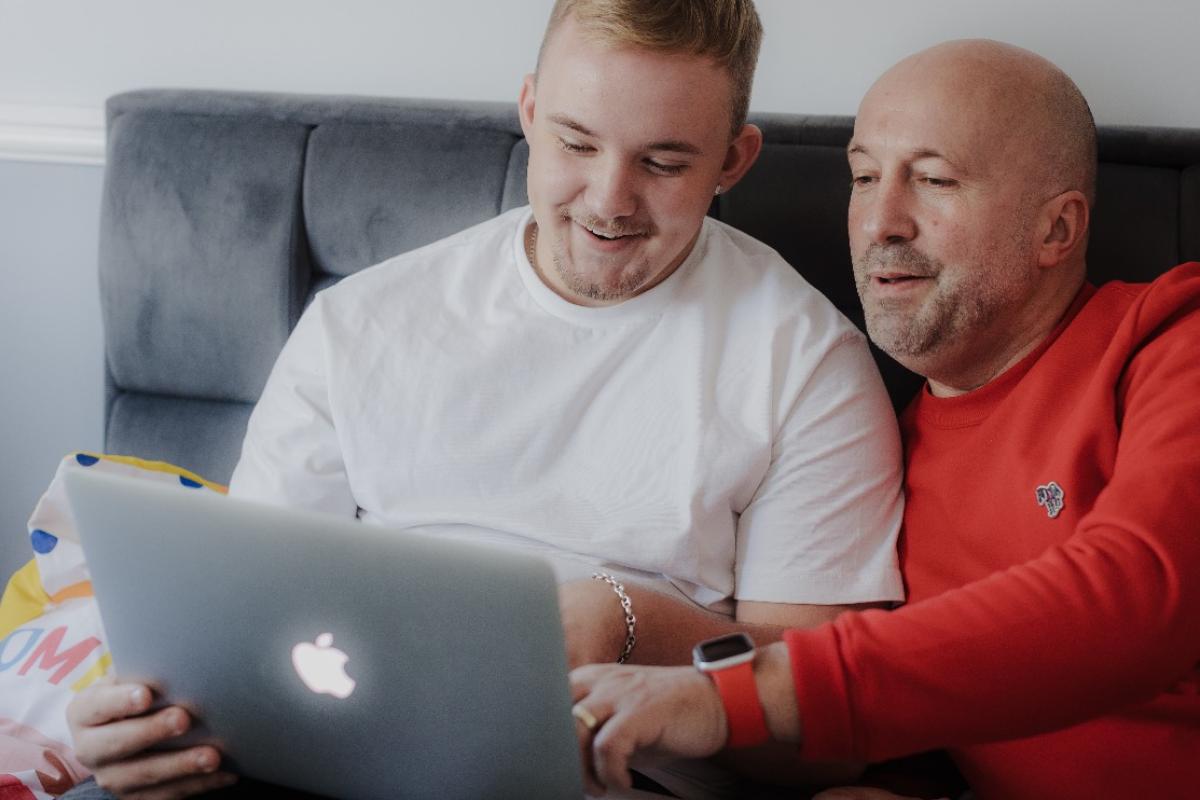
point(974, 167)
point(1023, 103)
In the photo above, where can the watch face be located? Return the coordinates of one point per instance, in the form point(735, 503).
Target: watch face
point(735, 644)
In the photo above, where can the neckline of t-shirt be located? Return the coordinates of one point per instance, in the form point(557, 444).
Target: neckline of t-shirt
point(972, 408)
point(648, 303)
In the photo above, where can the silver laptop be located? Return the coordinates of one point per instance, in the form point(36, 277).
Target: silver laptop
point(331, 656)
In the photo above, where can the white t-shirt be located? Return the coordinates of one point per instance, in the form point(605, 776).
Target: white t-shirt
point(726, 431)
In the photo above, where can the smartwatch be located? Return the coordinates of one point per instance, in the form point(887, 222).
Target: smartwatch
point(729, 661)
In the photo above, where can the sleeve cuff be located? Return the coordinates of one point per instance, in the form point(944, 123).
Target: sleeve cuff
point(822, 694)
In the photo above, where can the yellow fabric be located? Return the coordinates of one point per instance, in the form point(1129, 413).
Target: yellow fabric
point(24, 599)
point(51, 634)
point(158, 466)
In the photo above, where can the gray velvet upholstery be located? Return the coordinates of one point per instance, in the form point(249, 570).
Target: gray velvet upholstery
point(223, 212)
point(203, 247)
point(371, 191)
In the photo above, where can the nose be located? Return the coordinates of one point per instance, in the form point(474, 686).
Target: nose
point(884, 213)
point(612, 189)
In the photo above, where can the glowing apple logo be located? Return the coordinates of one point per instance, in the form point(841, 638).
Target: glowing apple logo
point(322, 667)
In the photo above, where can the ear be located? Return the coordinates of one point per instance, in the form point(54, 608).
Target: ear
point(1063, 227)
point(525, 103)
point(742, 153)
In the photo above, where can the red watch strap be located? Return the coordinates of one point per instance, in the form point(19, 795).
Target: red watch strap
point(739, 695)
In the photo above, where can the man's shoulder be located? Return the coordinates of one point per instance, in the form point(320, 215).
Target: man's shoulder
point(749, 272)
point(1162, 322)
point(1124, 337)
point(747, 255)
point(1172, 299)
point(485, 243)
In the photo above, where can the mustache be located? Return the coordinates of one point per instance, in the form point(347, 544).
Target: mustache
point(612, 227)
point(901, 257)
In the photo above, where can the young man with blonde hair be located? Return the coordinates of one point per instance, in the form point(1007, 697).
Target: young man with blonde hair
point(633, 389)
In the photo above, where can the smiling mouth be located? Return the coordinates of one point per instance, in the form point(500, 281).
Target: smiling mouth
point(601, 234)
point(605, 236)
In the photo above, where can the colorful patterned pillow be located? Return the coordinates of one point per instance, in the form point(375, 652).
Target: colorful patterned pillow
point(52, 643)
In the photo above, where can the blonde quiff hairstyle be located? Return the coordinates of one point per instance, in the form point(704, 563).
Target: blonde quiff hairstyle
point(726, 31)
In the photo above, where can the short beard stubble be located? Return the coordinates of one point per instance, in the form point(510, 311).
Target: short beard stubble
point(622, 287)
point(960, 305)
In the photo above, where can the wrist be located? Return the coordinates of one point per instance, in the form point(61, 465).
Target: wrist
point(777, 692)
point(628, 637)
point(729, 662)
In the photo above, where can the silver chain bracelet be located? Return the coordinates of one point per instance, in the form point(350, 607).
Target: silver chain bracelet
point(627, 607)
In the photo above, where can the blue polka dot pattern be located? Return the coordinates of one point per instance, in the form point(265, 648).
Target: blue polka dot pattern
point(188, 482)
point(85, 460)
point(43, 542)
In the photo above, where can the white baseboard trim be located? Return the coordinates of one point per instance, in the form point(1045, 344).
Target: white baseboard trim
point(52, 134)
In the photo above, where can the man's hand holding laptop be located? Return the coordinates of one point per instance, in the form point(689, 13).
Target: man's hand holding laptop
point(117, 735)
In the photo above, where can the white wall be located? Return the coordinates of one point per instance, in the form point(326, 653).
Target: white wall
point(51, 353)
point(1137, 62)
point(59, 59)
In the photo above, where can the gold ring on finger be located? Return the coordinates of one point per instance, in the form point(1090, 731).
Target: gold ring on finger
point(581, 713)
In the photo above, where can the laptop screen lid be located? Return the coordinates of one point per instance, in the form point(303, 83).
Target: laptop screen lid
point(446, 666)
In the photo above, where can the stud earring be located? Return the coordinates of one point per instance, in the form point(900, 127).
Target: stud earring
point(718, 190)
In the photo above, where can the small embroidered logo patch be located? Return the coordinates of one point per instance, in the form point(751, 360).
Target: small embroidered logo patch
point(1050, 497)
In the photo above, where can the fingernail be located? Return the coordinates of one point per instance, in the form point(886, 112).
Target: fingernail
point(179, 722)
point(139, 696)
point(205, 761)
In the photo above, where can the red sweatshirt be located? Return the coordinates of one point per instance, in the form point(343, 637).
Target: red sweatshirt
point(1052, 552)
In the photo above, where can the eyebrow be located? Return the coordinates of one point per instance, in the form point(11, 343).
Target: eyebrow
point(667, 145)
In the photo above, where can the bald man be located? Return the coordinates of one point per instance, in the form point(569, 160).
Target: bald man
point(1052, 555)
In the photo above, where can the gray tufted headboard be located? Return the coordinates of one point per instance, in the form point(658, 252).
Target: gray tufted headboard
point(224, 212)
